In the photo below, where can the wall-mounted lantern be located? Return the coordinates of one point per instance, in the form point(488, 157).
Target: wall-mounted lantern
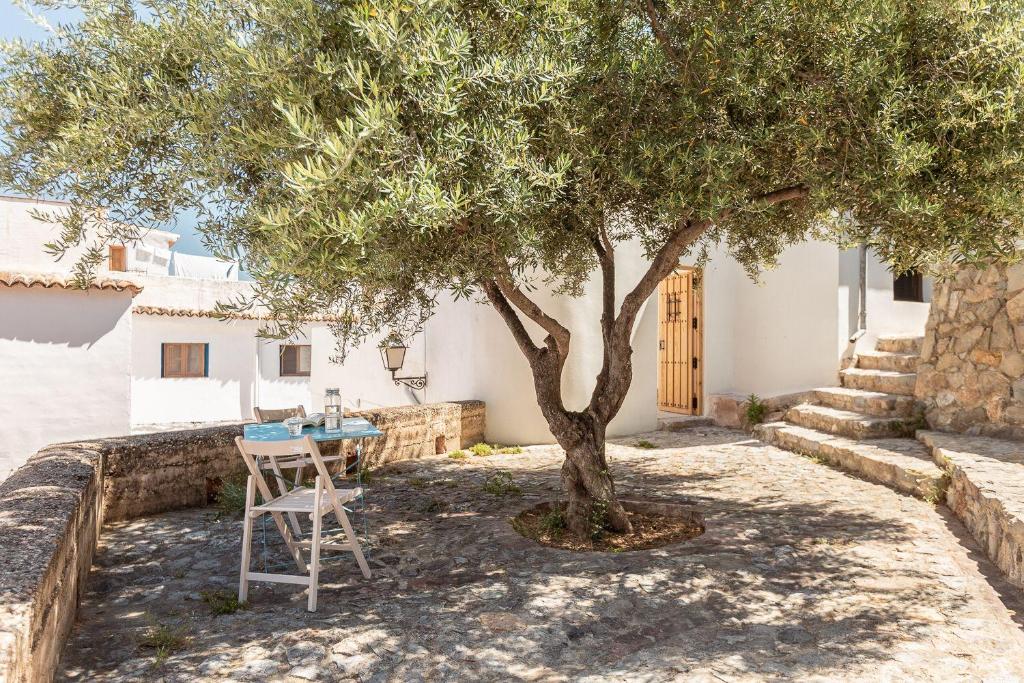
point(392, 352)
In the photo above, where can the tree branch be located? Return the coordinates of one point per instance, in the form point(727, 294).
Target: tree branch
point(612, 387)
point(557, 332)
point(505, 310)
point(659, 30)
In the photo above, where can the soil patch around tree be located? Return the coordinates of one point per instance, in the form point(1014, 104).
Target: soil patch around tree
point(655, 525)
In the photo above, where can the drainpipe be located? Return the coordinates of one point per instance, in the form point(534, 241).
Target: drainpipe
point(862, 303)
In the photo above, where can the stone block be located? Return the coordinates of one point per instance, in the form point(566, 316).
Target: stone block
point(1015, 277)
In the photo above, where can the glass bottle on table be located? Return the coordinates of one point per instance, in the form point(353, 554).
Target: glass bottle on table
point(333, 413)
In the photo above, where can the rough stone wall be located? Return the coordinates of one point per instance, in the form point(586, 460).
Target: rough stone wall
point(53, 507)
point(970, 375)
point(150, 473)
point(50, 517)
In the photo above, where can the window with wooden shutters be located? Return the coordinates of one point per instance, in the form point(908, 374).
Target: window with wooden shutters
point(908, 287)
point(184, 360)
point(118, 259)
point(296, 360)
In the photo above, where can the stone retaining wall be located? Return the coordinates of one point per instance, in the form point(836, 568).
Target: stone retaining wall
point(969, 378)
point(52, 509)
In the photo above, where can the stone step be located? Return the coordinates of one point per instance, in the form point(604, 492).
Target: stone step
point(986, 491)
point(900, 343)
point(885, 360)
point(848, 423)
point(879, 380)
point(679, 423)
point(901, 464)
point(867, 402)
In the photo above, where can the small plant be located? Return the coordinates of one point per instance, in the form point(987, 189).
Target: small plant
point(938, 492)
point(164, 639)
point(458, 455)
point(418, 482)
point(598, 519)
point(481, 449)
point(508, 450)
point(644, 443)
point(756, 410)
point(222, 602)
point(501, 484)
point(553, 522)
point(230, 499)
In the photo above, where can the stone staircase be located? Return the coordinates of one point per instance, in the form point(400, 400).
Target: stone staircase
point(866, 426)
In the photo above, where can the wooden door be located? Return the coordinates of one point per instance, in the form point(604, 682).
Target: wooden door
point(680, 343)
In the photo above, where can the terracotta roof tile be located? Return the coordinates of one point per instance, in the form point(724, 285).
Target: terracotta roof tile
point(204, 313)
point(65, 281)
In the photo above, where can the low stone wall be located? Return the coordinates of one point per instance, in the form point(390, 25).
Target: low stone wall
point(52, 509)
point(971, 375)
point(192, 463)
point(730, 410)
point(50, 517)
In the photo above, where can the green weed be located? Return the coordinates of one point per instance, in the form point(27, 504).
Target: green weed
point(501, 484)
point(222, 602)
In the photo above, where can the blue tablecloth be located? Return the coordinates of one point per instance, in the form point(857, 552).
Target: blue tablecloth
point(352, 428)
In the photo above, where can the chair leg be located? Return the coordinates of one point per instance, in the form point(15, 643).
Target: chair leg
point(339, 512)
point(282, 486)
point(243, 581)
point(314, 552)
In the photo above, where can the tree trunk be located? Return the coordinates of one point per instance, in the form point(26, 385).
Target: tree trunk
point(593, 505)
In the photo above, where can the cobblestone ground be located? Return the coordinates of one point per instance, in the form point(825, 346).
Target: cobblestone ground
point(804, 573)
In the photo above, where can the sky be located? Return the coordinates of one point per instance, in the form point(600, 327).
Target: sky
point(14, 23)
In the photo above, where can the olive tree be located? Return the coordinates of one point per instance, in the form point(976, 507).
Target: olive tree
point(365, 155)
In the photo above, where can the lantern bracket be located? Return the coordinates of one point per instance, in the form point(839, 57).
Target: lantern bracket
point(411, 382)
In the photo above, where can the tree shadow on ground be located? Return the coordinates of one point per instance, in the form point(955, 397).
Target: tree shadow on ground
point(798, 584)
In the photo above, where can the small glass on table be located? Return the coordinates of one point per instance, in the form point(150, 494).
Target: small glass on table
point(294, 426)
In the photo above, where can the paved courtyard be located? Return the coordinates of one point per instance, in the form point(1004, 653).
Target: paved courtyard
point(804, 572)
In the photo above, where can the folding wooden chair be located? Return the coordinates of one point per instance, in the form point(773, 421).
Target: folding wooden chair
point(318, 501)
point(264, 415)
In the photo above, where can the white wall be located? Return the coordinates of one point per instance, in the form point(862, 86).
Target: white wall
point(777, 335)
point(22, 237)
point(228, 392)
point(64, 357)
point(885, 315)
point(274, 391)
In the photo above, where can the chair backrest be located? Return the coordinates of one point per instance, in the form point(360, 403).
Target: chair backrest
point(264, 415)
point(288, 454)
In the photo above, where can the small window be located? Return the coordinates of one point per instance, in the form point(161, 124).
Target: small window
point(908, 287)
point(296, 360)
point(118, 260)
point(184, 360)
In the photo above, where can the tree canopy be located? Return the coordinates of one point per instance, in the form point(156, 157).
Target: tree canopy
point(368, 154)
point(363, 155)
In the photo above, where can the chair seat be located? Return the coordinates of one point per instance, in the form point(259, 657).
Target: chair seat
point(302, 500)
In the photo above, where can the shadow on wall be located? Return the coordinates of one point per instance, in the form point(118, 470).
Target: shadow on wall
point(60, 316)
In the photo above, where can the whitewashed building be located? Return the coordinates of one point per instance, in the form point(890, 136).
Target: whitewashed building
point(143, 348)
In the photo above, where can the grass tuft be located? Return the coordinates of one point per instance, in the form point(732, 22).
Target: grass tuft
point(481, 449)
point(644, 443)
point(501, 484)
point(164, 639)
point(222, 602)
point(458, 455)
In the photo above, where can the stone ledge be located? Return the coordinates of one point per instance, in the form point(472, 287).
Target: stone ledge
point(901, 464)
point(53, 507)
point(986, 492)
point(50, 517)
